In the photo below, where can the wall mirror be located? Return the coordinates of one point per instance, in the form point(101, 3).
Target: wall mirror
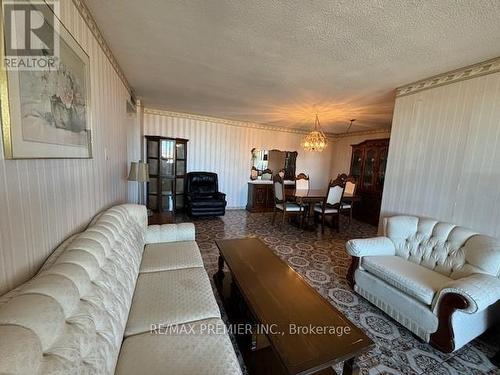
point(274, 160)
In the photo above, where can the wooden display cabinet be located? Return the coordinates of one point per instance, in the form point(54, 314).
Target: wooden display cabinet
point(368, 165)
point(167, 160)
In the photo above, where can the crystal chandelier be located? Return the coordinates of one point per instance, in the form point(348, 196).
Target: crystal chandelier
point(315, 140)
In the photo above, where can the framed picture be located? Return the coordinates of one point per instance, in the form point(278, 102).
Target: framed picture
point(45, 92)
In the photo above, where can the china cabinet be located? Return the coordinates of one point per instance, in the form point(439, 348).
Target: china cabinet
point(368, 164)
point(167, 158)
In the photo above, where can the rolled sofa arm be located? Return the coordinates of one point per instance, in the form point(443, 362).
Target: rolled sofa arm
point(170, 233)
point(479, 290)
point(370, 247)
point(366, 247)
point(469, 294)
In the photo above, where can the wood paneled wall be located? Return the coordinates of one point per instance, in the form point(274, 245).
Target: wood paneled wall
point(216, 146)
point(44, 201)
point(444, 156)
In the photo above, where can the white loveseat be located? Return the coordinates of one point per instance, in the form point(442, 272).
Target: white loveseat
point(439, 280)
point(91, 308)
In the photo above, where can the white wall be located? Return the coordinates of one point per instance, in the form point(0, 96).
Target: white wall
point(444, 156)
point(223, 147)
point(44, 201)
point(342, 150)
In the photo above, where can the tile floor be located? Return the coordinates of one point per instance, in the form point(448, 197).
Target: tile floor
point(323, 261)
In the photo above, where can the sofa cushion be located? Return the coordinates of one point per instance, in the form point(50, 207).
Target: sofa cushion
point(412, 279)
point(192, 352)
point(169, 298)
point(170, 256)
point(70, 318)
point(170, 233)
point(412, 314)
point(438, 246)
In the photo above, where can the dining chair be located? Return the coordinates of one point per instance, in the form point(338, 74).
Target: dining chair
point(280, 203)
point(267, 174)
point(349, 191)
point(302, 182)
point(254, 173)
point(331, 204)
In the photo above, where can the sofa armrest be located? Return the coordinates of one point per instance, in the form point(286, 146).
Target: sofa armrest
point(479, 290)
point(370, 247)
point(170, 233)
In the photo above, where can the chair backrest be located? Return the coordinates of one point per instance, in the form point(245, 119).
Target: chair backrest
point(202, 183)
point(254, 173)
point(342, 176)
point(302, 182)
point(278, 189)
point(267, 174)
point(335, 192)
point(448, 249)
point(350, 185)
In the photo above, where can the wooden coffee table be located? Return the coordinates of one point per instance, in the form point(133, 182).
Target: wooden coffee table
point(304, 332)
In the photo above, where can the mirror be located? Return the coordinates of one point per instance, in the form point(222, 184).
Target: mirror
point(275, 160)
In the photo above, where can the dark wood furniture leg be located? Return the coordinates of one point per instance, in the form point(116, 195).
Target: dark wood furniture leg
point(350, 367)
point(350, 272)
point(496, 359)
point(220, 271)
point(444, 338)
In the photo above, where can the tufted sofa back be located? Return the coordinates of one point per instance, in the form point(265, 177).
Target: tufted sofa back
point(449, 249)
point(70, 318)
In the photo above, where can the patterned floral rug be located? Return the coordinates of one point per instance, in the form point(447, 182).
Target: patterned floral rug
point(322, 260)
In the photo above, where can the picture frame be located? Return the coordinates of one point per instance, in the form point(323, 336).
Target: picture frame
point(45, 113)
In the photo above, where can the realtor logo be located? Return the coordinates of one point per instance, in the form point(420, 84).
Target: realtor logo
point(31, 41)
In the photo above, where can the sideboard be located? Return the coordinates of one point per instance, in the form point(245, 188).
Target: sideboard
point(260, 195)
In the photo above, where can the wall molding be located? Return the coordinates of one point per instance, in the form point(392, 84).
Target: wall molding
point(362, 132)
point(242, 124)
point(468, 72)
point(92, 25)
point(252, 125)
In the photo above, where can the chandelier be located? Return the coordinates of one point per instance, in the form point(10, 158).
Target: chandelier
point(315, 140)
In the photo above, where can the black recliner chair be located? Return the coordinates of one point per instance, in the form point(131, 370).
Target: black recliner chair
point(202, 195)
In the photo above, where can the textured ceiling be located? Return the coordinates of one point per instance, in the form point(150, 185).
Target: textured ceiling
point(280, 62)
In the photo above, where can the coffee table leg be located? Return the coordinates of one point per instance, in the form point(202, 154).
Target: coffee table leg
point(350, 367)
point(496, 359)
point(220, 272)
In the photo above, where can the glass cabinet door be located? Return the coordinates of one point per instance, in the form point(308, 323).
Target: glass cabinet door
point(167, 159)
point(180, 172)
point(357, 162)
point(167, 174)
point(369, 168)
point(382, 166)
point(180, 150)
point(152, 185)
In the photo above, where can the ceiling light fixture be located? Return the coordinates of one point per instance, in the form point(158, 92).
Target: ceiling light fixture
point(315, 140)
point(350, 125)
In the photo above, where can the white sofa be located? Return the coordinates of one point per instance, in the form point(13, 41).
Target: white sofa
point(92, 306)
point(439, 280)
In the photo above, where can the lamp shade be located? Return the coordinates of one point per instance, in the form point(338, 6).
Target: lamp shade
point(139, 171)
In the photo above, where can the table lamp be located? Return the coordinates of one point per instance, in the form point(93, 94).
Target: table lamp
point(139, 171)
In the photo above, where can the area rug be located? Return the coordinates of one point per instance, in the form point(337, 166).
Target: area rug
point(321, 259)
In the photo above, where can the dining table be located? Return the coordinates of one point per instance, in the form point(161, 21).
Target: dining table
point(350, 198)
point(307, 197)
